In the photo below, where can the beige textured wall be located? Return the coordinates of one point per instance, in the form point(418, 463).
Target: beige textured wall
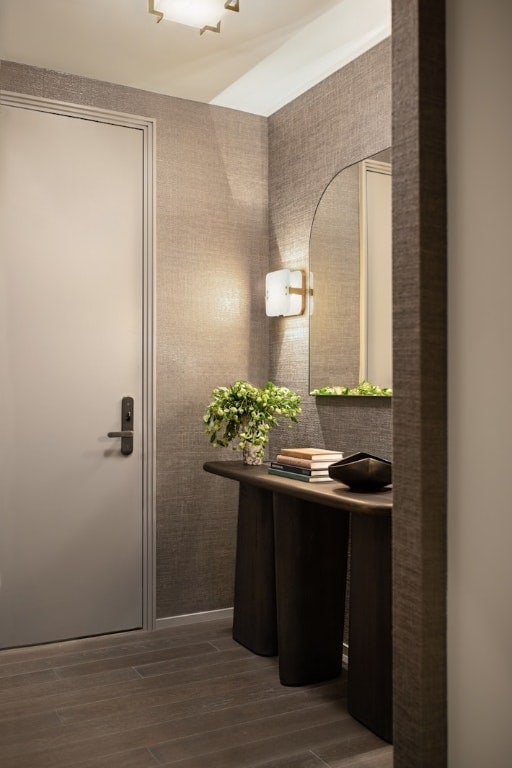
point(340, 121)
point(212, 256)
point(479, 58)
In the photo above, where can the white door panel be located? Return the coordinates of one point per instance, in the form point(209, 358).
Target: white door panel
point(71, 234)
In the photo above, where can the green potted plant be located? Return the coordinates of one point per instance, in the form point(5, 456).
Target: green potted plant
point(363, 389)
point(245, 414)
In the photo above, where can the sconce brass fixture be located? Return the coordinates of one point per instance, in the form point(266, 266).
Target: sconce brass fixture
point(285, 293)
point(201, 14)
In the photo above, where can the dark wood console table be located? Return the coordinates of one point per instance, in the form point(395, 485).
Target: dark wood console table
point(291, 563)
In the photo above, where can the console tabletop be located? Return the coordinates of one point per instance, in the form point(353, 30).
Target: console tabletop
point(333, 494)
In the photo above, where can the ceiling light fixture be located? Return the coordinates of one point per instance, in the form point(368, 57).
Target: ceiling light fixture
point(205, 15)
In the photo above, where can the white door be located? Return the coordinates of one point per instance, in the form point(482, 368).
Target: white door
point(71, 346)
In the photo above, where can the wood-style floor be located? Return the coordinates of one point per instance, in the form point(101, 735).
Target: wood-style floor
point(187, 696)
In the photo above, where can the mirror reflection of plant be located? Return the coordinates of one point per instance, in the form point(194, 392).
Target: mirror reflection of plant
point(247, 413)
point(364, 388)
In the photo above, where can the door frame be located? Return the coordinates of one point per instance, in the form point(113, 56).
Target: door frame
point(148, 128)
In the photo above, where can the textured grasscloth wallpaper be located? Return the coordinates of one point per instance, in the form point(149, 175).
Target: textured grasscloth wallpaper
point(340, 121)
point(212, 221)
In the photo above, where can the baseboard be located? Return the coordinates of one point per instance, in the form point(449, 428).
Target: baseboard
point(193, 618)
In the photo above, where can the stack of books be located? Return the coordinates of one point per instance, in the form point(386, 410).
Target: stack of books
point(311, 465)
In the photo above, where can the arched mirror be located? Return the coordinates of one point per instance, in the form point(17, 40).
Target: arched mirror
point(350, 283)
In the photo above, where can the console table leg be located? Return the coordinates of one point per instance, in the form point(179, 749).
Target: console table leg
point(311, 566)
point(254, 614)
point(369, 686)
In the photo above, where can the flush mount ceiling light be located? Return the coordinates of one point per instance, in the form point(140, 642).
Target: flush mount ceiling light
point(205, 15)
point(285, 293)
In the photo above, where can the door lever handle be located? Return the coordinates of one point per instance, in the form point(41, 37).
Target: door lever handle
point(125, 433)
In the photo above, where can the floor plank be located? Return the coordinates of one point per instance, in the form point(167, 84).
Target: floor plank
point(254, 751)
point(186, 696)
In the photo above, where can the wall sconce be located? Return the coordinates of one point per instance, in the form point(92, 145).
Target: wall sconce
point(205, 15)
point(285, 293)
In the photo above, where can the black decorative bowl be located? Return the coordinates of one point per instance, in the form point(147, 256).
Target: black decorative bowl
point(362, 472)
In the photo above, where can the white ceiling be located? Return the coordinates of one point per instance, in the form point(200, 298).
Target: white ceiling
point(265, 56)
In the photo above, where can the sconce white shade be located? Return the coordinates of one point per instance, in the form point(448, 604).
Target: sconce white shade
point(192, 13)
point(285, 293)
